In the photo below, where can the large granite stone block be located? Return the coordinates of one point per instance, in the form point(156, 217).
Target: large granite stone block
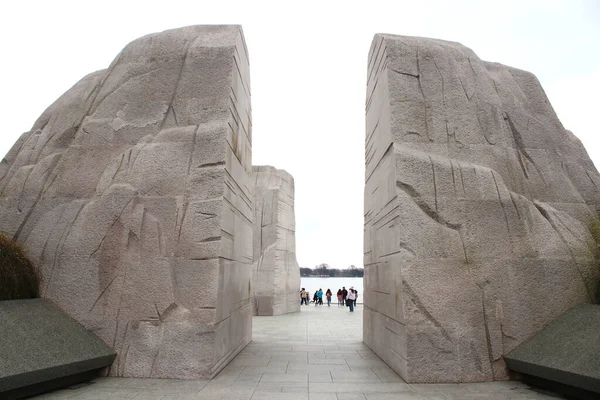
point(42, 348)
point(567, 351)
point(478, 205)
point(132, 192)
point(276, 275)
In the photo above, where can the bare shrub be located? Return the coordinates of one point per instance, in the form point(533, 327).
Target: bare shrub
point(19, 278)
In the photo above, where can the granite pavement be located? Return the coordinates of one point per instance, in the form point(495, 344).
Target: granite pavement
point(316, 354)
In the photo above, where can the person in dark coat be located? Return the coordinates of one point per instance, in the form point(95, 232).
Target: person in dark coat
point(344, 294)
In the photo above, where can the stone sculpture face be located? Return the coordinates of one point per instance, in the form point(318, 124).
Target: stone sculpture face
point(276, 275)
point(477, 208)
point(133, 194)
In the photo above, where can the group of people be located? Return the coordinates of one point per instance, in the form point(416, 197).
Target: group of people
point(345, 297)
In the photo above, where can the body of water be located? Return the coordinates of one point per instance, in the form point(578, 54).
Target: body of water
point(313, 284)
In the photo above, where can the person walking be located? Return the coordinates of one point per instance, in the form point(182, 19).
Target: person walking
point(339, 297)
point(328, 295)
point(344, 295)
point(302, 296)
point(355, 297)
point(316, 298)
point(350, 299)
point(320, 296)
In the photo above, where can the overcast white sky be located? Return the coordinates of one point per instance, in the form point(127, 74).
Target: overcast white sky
point(308, 70)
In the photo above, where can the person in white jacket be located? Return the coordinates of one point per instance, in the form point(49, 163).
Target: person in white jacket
point(350, 298)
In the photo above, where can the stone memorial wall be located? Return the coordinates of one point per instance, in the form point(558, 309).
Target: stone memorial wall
point(132, 192)
point(478, 208)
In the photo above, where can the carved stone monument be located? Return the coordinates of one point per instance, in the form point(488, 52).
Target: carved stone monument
point(478, 207)
point(276, 275)
point(132, 193)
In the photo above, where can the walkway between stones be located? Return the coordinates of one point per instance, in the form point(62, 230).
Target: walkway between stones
point(316, 354)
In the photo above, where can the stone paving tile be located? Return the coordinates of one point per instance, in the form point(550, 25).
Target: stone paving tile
point(374, 362)
point(354, 376)
point(533, 393)
point(386, 374)
point(111, 382)
point(323, 368)
point(328, 361)
point(294, 357)
point(249, 377)
point(304, 356)
point(439, 387)
point(101, 393)
point(270, 369)
point(351, 396)
point(293, 389)
point(278, 363)
point(359, 387)
point(400, 396)
point(269, 389)
point(282, 384)
point(258, 362)
point(279, 396)
point(57, 394)
point(291, 377)
point(322, 396)
point(245, 384)
point(167, 384)
point(217, 391)
point(493, 387)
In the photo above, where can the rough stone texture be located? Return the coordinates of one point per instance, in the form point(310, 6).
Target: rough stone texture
point(477, 211)
point(132, 193)
point(566, 351)
point(276, 275)
point(40, 343)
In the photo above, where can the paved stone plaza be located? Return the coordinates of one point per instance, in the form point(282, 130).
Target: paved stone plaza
point(316, 354)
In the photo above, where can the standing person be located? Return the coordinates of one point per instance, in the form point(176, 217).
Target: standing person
point(328, 294)
point(350, 299)
point(355, 297)
point(316, 298)
point(320, 296)
point(339, 296)
point(344, 295)
point(302, 295)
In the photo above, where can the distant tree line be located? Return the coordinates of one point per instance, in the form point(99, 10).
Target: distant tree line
point(326, 270)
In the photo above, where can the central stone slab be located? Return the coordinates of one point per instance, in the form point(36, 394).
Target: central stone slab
point(132, 193)
point(276, 275)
